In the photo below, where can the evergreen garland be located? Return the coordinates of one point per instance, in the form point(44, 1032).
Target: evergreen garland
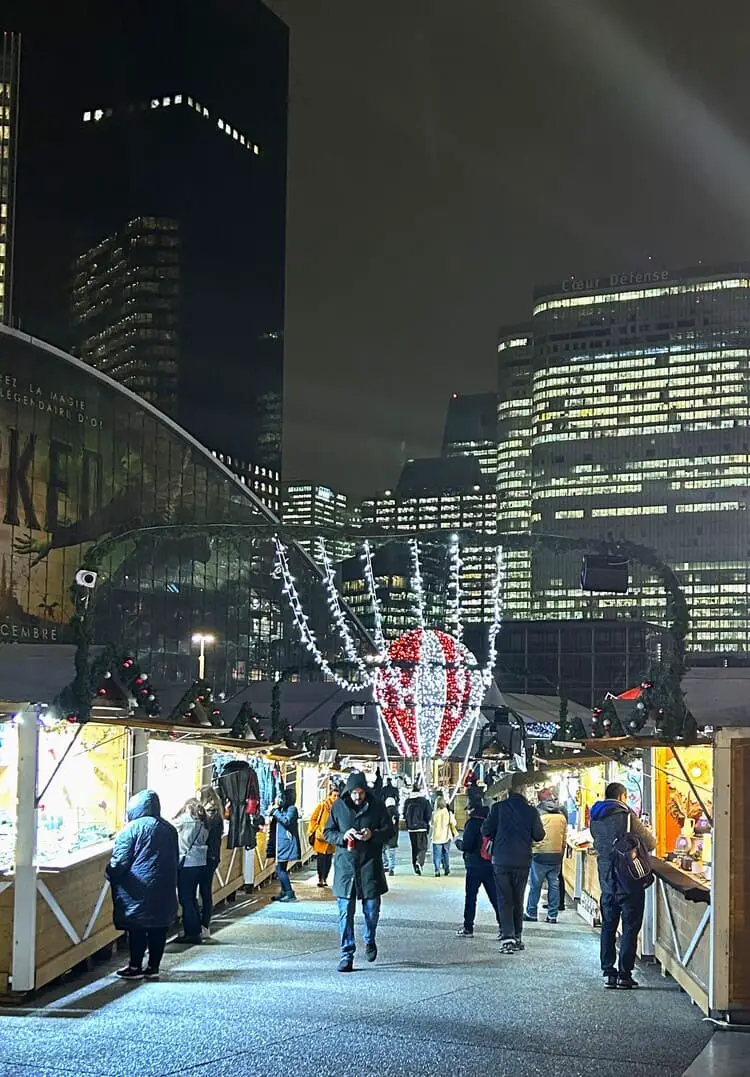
point(247, 722)
point(198, 707)
point(114, 675)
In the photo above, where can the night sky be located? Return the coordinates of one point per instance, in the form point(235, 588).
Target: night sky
point(446, 157)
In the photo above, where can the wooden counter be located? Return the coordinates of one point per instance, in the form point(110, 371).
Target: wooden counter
point(683, 930)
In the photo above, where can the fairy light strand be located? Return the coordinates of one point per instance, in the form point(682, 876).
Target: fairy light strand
point(454, 590)
point(498, 591)
point(417, 582)
point(334, 605)
point(301, 621)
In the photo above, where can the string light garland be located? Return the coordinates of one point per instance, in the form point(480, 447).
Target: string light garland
point(339, 619)
point(417, 583)
point(453, 614)
point(301, 621)
point(497, 594)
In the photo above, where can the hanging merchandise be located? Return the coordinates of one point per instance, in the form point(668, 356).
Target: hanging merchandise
point(238, 787)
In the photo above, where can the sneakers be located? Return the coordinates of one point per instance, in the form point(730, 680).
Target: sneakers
point(551, 920)
point(520, 945)
point(391, 872)
point(417, 869)
point(508, 946)
point(205, 932)
point(448, 872)
point(530, 919)
point(346, 964)
point(129, 973)
point(610, 980)
point(321, 884)
point(151, 974)
point(437, 874)
point(287, 899)
point(462, 933)
point(625, 982)
point(371, 952)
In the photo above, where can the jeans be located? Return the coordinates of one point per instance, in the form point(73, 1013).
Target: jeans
point(477, 877)
point(418, 839)
point(205, 888)
point(285, 882)
point(539, 872)
point(511, 888)
point(141, 938)
point(347, 908)
point(389, 857)
point(628, 909)
point(323, 863)
point(441, 856)
point(188, 880)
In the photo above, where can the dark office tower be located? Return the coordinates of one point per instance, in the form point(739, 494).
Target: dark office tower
point(166, 171)
point(10, 52)
point(471, 429)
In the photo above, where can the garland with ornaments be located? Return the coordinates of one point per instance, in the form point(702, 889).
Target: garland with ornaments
point(114, 676)
point(198, 707)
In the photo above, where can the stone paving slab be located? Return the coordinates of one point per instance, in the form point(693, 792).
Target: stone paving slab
point(263, 998)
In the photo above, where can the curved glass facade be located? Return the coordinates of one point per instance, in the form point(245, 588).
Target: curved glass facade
point(81, 458)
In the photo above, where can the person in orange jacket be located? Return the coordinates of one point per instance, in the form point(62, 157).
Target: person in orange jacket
point(318, 821)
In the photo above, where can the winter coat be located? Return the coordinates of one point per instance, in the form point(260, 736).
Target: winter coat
point(470, 842)
point(238, 786)
point(551, 848)
point(359, 870)
point(444, 827)
point(143, 867)
point(391, 807)
point(193, 839)
point(417, 812)
point(317, 824)
point(283, 840)
point(215, 835)
point(390, 792)
point(512, 825)
point(608, 822)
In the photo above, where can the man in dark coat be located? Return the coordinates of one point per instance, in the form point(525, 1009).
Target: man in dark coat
point(143, 876)
point(358, 826)
point(417, 817)
point(512, 826)
point(478, 870)
point(611, 819)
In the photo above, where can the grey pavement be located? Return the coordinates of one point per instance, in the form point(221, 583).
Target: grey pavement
point(263, 999)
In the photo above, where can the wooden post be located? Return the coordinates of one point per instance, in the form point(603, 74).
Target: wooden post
point(25, 892)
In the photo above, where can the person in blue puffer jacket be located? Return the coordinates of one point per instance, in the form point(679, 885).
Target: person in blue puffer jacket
point(143, 875)
point(283, 842)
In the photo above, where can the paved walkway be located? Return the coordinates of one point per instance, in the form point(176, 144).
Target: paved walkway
point(263, 999)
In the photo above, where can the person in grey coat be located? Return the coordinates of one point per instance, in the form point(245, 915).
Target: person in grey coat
point(142, 872)
point(192, 831)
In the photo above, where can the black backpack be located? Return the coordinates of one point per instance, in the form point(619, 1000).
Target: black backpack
point(631, 863)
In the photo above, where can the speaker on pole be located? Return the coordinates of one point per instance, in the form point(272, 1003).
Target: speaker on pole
point(605, 573)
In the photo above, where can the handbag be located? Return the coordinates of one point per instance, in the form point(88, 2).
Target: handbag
point(181, 862)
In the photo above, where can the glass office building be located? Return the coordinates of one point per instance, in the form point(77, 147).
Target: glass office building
point(82, 459)
point(633, 423)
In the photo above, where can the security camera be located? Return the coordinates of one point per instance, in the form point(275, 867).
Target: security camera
point(86, 578)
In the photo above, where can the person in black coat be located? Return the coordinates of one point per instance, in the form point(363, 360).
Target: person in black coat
point(513, 825)
point(143, 875)
point(211, 802)
point(417, 817)
point(479, 871)
point(358, 826)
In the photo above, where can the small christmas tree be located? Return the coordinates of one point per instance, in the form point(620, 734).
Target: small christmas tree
point(247, 722)
point(115, 676)
point(198, 707)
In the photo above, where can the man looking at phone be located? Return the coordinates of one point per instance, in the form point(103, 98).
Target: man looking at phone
point(358, 826)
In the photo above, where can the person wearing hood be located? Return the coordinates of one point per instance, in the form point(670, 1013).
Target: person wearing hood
point(478, 870)
point(284, 843)
point(323, 851)
point(512, 826)
point(358, 826)
point(417, 817)
point(610, 820)
point(142, 872)
point(192, 831)
point(547, 858)
point(391, 846)
point(444, 831)
point(390, 792)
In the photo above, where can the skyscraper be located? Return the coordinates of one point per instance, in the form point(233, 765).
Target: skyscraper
point(10, 54)
point(471, 429)
point(310, 505)
point(633, 422)
point(161, 187)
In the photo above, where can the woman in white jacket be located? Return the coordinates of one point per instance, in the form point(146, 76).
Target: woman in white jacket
point(191, 824)
point(444, 830)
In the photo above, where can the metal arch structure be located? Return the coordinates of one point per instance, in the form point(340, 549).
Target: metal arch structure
point(676, 608)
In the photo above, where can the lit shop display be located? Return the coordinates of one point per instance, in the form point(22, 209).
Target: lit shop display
point(684, 808)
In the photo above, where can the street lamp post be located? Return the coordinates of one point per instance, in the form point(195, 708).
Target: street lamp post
point(202, 639)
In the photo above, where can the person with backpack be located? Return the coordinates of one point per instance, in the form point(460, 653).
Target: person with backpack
point(477, 852)
point(622, 845)
point(512, 826)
